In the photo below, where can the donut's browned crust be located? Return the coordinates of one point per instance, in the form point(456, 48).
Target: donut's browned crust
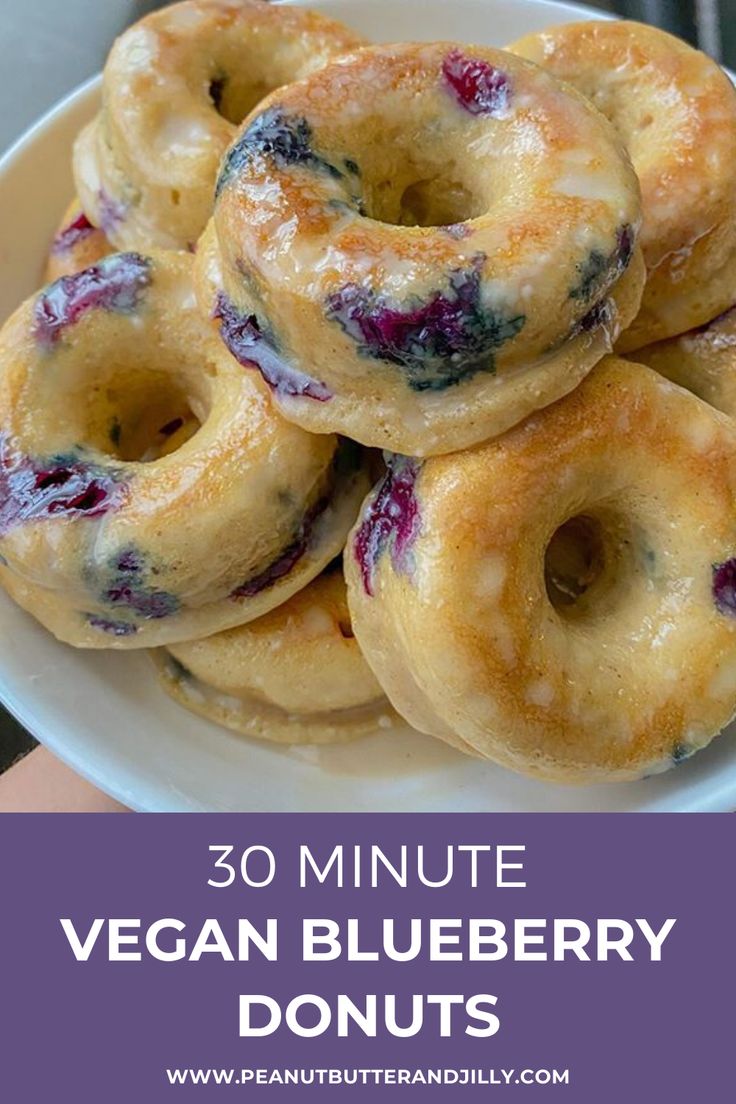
point(149, 491)
point(175, 86)
point(621, 664)
point(675, 110)
point(437, 271)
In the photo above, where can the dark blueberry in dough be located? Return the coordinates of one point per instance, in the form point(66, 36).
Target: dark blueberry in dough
point(63, 486)
point(288, 559)
point(478, 86)
point(681, 752)
point(77, 230)
point(148, 603)
point(391, 519)
point(437, 342)
point(601, 314)
point(285, 139)
point(591, 273)
point(724, 586)
point(114, 628)
point(129, 561)
point(115, 284)
point(128, 588)
point(600, 270)
point(254, 346)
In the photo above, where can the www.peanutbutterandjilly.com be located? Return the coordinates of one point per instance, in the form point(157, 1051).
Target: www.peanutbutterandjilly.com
point(359, 1076)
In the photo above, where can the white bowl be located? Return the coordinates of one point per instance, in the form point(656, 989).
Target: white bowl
point(103, 712)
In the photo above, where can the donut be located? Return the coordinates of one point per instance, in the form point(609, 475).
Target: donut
point(561, 600)
point(149, 491)
point(175, 86)
point(77, 244)
point(418, 246)
point(675, 110)
point(703, 361)
point(294, 676)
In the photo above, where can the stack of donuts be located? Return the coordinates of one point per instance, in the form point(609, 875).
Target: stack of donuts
point(510, 270)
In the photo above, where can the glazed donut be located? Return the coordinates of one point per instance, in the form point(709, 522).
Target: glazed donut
point(675, 110)
point(561, 600)
point(175, 86)
point(294, 676)
point(77, 244)
point(703, 361)
point(418, 247)
point(107, 536)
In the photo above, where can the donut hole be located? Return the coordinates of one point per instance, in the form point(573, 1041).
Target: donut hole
point(575, 563)
point(419, 185)
point(235, 94)
point(346, 629)
point(436, 202)
point(139, 415)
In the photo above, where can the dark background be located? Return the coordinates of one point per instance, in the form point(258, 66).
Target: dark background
point(709, 24)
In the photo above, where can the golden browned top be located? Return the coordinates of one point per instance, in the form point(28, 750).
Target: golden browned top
point(673, 106)
point(560, 612)
point(176, 85)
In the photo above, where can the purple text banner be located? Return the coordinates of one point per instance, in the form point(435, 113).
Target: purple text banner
point(318, 958)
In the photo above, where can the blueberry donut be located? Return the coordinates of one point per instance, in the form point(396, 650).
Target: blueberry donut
point(561, 600)
point(421, 244)
point(77, 244)
point(149, 492)
point(175, 86)
point(703, 361)
point(294, 676)
point(675, 110)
